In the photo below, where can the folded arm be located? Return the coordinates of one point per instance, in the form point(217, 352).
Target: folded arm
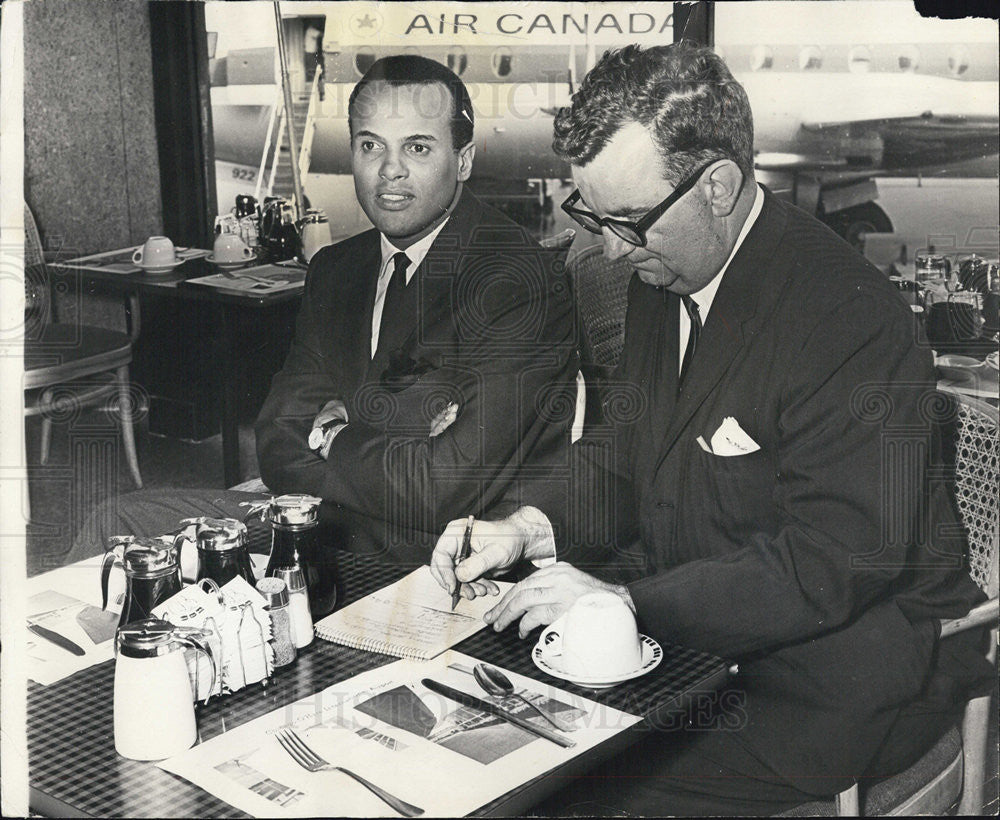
point(513, 403)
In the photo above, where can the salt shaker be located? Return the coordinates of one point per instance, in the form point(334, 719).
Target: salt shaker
point(298, 602)
point(282, 642)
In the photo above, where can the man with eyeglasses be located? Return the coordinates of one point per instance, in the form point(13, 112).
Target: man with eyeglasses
point(760, 490)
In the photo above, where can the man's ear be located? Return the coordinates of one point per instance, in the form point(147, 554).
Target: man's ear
point(465, 157)
point(725, 184)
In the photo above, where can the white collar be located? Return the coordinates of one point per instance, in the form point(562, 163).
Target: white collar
point(415, 253)
point(704, 297)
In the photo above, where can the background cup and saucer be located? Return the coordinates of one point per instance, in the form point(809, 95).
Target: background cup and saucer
point(157, 255)
point(230, 252)
point(596, 644)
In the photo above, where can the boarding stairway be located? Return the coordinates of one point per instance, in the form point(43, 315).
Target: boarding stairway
point(275, 177)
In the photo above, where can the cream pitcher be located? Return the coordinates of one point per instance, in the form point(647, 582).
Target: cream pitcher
point(154, 701)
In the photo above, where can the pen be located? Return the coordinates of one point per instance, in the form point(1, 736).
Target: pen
point(463, 553)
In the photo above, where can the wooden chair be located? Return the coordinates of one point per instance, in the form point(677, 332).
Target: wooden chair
point(601, 292)
point(953, 770)
point(69, 365)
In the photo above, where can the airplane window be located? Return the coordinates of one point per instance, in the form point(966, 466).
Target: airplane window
point(810, 58)
point(958, 61)
point(457, 61)
point(363, 60)
point(502, 61)
point(859, 60)
point(762, 58)
point(909, 58)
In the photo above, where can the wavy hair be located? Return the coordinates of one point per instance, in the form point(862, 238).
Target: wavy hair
point(412, 69)
point(684, 95)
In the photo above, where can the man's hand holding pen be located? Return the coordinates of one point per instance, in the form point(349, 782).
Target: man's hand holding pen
point(494, 547)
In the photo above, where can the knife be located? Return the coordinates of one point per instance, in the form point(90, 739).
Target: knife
point(466, 699)
point(57, 639)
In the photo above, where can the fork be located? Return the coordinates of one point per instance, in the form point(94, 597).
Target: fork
point(309, 760)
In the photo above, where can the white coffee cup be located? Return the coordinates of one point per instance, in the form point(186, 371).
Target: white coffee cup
point(231, 248)
point(157, 252)
point(596, 639)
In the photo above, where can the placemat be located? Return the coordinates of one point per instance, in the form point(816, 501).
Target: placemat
point(120, 261)
point(261, 279)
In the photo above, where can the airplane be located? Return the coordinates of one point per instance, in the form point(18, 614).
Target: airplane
point(829, 116)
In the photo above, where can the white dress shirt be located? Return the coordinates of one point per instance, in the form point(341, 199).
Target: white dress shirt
point(704, 297)
point(415, 253)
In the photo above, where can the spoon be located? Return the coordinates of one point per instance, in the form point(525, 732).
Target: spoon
point(497, 683)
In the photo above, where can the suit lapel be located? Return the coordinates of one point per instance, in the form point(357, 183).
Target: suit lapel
point(353, 328)
point(747, 281)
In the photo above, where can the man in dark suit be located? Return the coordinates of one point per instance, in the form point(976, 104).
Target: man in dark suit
point(445, 315)
point(765, 492)
point(446, 309)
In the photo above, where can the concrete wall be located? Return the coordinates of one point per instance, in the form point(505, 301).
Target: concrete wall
point(91, 168)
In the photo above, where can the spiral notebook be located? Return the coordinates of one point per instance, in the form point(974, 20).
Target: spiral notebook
point(411, 618)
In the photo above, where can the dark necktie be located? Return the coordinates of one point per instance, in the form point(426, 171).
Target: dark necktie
point(393, 296)
point(692, 310)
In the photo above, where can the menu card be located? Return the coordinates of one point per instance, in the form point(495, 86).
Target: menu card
point(67, 601)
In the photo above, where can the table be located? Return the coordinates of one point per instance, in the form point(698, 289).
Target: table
point(75, 771)
point(231, 307)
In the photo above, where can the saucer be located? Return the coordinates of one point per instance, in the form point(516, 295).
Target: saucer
point(652, 654)
point(957, 367)
point(239, 263)
point(159, 268)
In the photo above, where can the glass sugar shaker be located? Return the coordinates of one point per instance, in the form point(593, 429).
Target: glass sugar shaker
point(294, 521)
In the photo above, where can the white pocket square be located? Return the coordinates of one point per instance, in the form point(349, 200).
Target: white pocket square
point(732, 440)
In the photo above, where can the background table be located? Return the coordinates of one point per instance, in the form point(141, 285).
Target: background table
point(75, 771)
point(223, 340)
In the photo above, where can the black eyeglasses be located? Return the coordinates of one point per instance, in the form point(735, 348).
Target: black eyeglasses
point(632, 232)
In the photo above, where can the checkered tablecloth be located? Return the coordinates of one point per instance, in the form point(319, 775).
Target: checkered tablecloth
point(71, 749)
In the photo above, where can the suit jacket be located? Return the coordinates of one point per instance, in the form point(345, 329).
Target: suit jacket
point(819, 560)
point(489, 325)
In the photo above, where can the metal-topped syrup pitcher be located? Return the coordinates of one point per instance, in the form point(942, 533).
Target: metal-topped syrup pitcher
point(153, 706)
point(222, 548)
point(152, 574)
point(294, 521)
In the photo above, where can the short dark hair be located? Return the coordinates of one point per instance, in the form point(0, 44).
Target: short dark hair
point(411, 69)
point(683, 94)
